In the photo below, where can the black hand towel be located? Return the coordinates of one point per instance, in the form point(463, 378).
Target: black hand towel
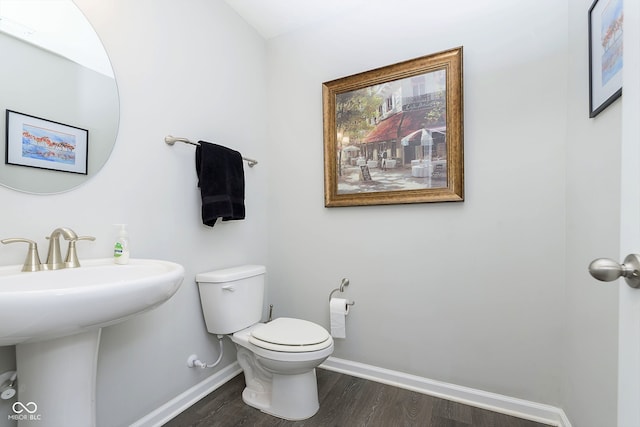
point(221, 181)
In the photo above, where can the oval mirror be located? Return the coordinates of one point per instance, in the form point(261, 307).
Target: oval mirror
point(59, 105)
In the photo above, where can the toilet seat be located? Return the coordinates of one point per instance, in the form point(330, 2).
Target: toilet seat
point(290, 335)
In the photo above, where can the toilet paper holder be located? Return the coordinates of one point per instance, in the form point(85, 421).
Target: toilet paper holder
point(345, 282)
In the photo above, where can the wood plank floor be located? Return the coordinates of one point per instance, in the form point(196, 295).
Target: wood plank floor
point(345, 401)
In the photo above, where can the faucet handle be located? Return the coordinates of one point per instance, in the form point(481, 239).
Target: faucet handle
point(32, 262)
point(71, 260)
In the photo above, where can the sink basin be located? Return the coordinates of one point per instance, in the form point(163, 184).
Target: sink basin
point(55, 319)
point(50, 304)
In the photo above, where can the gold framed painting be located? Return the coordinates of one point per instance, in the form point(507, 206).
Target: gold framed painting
point(394, 134)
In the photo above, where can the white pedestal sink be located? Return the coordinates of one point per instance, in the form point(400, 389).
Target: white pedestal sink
point(55, 317)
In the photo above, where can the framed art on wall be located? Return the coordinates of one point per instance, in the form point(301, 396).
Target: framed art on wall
point(393, 135)
point(39, 143)
point(605, 54)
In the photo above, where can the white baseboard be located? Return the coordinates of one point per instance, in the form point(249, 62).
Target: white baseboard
point(482, 399)
point(495, 402)
point(186, 399)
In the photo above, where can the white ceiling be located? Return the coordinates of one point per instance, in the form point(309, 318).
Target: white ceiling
point(272, 18)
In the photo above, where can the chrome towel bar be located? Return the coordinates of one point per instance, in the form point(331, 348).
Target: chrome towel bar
point(170, 140)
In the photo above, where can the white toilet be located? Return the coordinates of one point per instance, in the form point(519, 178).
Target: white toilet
point(278, 358)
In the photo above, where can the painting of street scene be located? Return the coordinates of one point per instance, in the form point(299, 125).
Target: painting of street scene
point(393, 136)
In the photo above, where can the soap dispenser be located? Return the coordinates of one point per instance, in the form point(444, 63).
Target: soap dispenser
point(121, 246)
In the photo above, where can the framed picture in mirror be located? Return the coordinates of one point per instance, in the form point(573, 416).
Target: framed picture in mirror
point(40, 143)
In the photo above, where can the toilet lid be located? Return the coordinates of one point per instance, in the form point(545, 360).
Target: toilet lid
point(285, 331)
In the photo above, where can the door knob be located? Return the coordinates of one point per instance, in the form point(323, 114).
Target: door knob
point(608, 270)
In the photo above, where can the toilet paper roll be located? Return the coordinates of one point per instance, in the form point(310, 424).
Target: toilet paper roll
point(338, 309)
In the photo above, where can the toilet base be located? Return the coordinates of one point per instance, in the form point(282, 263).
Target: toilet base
point(291, 397)
point(282, 384)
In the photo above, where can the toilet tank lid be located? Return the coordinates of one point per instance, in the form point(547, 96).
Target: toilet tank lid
point(230, 274)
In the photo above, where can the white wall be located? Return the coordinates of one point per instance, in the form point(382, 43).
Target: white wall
point(198, 72)
point(469, 293)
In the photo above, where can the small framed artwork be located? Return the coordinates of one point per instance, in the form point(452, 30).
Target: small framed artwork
point(394, 134)
point(40, 143)
point(605, 54)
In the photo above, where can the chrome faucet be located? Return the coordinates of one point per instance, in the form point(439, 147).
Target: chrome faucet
point(54, 259)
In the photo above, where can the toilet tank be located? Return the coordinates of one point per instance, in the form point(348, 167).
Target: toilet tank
point(232, 298)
